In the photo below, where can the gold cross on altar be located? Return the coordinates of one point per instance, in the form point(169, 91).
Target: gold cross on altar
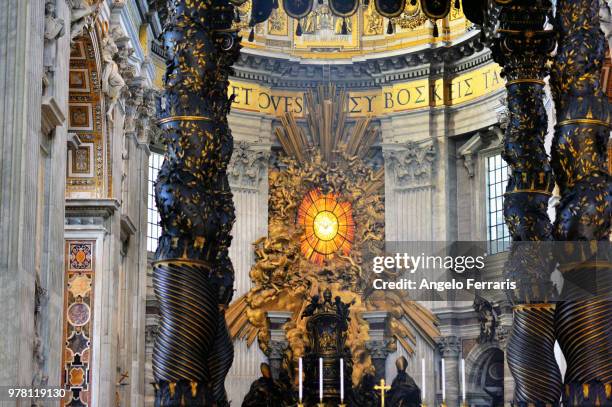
point(382, 389)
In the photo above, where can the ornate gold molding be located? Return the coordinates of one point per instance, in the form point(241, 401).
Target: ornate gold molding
point(182, 118)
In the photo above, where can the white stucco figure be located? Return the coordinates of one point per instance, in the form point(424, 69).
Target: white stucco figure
point(80, 16)
point(112, 81)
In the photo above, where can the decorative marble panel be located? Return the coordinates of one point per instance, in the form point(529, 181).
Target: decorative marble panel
point(79, 80)
point(78, 305)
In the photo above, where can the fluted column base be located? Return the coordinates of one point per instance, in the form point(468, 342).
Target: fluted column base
point(531, 356)
point(184, 394)
point(192, 344)
point(585, 336)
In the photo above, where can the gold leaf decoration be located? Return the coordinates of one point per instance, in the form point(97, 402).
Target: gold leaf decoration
point(331, 158)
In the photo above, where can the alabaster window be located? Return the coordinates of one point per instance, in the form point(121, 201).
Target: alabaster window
point(498, 236)
point(153, 228)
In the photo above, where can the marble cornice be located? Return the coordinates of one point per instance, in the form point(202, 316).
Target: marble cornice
point(84, 211)
point(292, 73)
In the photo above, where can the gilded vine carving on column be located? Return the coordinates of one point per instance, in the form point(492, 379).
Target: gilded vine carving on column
point(193, 275)
point(522, 46)
point(585, 211)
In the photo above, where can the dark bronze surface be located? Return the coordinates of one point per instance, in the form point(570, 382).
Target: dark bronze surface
point(580, 161)
point(193, 275)
point(523, 47)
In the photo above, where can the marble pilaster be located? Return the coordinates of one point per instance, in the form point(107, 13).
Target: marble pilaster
point(133, 241)
point(378, 343)
point(248, 177)
point(151, 322)
point(503, 334)
point(21, 70)
point(54, 131)
point(449, 347)
point(278, 340)
point(138, 129)
point(409, 171)
point(99, 220)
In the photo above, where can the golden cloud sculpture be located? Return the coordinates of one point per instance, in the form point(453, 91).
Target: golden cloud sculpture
point(326, 221)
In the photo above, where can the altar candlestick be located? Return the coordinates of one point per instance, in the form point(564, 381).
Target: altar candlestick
point(321, 380)
point(443, 382)
point(423, 384)
point(463, 379)
point(301, 390)
point(341, 380)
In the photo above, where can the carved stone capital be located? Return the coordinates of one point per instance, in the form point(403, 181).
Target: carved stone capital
point(146, 126)
point(248, 166)
point(134, 99)
point(276, 350)
point(449, 346)
point(140, 110)
point(378, 349)
point(412, 164)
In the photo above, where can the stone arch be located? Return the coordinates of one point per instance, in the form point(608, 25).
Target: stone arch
point(87, 173)
point(485, 375)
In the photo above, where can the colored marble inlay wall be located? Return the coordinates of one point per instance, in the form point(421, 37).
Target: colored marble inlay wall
point(78, 305)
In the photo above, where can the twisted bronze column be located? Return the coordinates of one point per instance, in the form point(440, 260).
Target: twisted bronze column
point(193, 275)
point(579, 157)
point(522, 47)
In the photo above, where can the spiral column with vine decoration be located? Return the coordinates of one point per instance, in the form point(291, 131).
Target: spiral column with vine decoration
point(522, 47)
point(585, 211)
point(193, 275)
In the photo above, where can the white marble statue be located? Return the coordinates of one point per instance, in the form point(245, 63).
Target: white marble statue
point(54, 29)
point(113, 83)
point(124, 52)
point(80, 16)
point(605, 19)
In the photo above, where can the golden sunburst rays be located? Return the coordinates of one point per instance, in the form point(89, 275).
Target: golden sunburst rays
point(328, 226)
point(327, 123)
point(326, 219)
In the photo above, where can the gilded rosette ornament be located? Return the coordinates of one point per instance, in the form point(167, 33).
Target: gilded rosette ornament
point(580, 162)
point(522, 47)
point(193, 275)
